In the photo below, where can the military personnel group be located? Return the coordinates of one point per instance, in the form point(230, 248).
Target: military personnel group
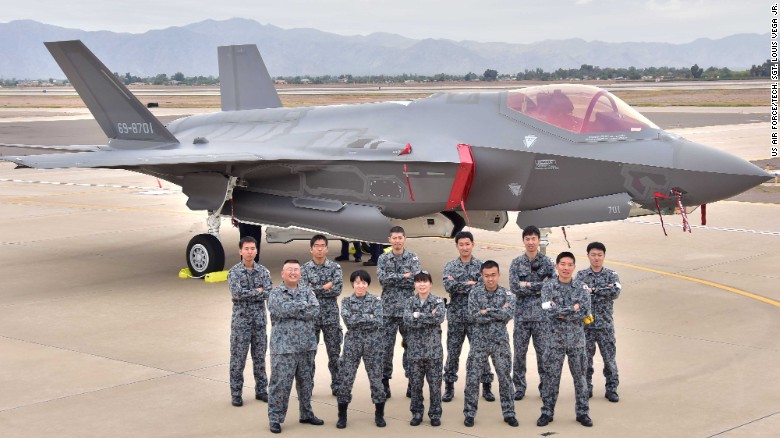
point(565, 315)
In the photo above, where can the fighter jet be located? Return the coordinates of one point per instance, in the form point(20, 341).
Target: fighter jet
point(558, 154)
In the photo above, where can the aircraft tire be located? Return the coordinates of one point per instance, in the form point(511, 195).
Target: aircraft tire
point(205, 255)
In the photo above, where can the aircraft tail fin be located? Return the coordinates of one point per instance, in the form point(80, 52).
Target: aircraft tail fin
point(245, 82)
point(124, 119)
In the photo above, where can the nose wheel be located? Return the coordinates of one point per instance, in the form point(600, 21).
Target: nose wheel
point(205, 255)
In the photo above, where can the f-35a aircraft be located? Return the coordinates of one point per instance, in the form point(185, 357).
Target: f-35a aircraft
point(557, 154)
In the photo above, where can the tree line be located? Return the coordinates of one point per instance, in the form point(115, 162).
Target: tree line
point(585, 72)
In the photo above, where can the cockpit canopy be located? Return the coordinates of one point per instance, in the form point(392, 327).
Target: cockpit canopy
point(579, 109)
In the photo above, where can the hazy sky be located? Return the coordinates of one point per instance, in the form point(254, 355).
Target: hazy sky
point(515, 21)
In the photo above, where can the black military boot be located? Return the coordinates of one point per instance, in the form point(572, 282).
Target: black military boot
point(386, 384)
point(486, 393)
point(342, 422)
point(379, 415)
point(449, 392)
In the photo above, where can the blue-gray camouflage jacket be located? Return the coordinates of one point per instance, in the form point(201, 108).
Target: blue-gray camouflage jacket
point(604, 290)
point(457, 310)
point(293, 314)
point(529, 298)
point(490, 328)
point(396, 289)
point(315, 276)
point(567, 326)
point(244, 284)
point(423, 332)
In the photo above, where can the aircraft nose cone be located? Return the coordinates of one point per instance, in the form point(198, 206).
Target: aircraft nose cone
point(716, 174)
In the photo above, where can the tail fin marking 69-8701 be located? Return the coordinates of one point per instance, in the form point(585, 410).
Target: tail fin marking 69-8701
point(125, 120)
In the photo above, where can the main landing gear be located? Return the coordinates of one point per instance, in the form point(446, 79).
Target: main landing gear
point(204, 252)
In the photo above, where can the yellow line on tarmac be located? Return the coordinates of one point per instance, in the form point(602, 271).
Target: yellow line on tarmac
point(679, 276)
point(704, 282)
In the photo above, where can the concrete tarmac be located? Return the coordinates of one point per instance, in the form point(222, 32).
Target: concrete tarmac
point(98, 336)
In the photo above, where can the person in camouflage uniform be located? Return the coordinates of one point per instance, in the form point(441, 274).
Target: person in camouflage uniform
point(459, 276)
point(605, 288)
point(363, 315)
point(250, 283)
point(324, 277)
point(567, 302)
point(395, 270)
point(490, 308)
point(526, 276)
point(423, 315)
point(294, 310)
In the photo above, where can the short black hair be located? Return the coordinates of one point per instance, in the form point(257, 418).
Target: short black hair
point(423, 276)
point(531, 230)
point(489, 264)
point(361, 274)
point(316, 238)
point(246, 239)
point(464, 235)
point(291, 261)
point(397, 229)
point(564, 255)
point(596, 245)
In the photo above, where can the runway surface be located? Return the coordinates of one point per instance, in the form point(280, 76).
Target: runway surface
point(98, 336)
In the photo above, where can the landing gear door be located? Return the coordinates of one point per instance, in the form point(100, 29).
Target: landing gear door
point(490, 220)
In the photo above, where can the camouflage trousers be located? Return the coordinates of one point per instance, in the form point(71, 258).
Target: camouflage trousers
point(457, 332)
point(247, 332)
point(523, 333)
point(419, 371)
point(392, 326)
point(475, 368)
point(348, 366)
point(605, 339)
point(285, 368)
point(332, 335)
point(553, 362)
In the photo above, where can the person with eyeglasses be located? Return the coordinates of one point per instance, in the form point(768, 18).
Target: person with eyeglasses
point(294, 310)
point(567, 302)
point(460, 276)
point(527, 274)
point(325, 278)
point(491, 307)
point(363, 315)
point(423, 315)
point(249, 283)
point(395, 270)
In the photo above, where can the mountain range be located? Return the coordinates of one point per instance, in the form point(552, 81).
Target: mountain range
point(191, 49)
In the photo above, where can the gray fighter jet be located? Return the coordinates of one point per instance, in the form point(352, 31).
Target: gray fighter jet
point(557, 154)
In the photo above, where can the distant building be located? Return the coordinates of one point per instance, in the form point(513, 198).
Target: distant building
point(280, 82)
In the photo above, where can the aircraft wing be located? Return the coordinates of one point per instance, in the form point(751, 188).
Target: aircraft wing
point(286, 148)
point(69, 148)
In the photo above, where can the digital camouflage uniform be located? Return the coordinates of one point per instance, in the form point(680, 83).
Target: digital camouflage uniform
point(458, 325)
point(567, 338)
point(363, 317)
point(529, 319)
point(247, 326)
point(490, 339)
point(293, 345)
point(423, 344)
point(605, 289)
point(315, 276)
point(395, 290)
